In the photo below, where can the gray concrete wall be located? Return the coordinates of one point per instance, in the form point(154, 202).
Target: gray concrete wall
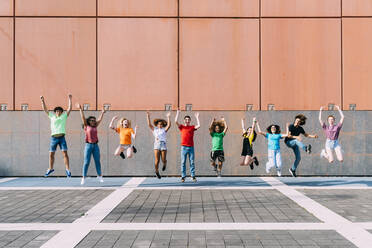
point(24, 144)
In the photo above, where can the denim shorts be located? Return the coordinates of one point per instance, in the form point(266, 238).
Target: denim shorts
point(160, 145)
point(58, 141)
point(332, 144)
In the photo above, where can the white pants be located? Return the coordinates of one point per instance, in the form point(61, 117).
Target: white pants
point(275, 159)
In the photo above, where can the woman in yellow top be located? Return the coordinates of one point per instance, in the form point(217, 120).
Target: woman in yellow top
point(126, 133)
point(249, 137)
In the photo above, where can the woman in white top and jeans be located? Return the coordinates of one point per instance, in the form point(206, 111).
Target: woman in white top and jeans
point(160, 143)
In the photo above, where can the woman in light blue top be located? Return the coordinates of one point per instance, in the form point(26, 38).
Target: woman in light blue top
point(273, 136)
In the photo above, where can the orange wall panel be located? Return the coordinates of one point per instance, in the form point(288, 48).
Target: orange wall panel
point(55, 7)
point(54, 57)
point(233, 8)
point(219, 63)
point(301, 8)
point(6, 7)
point(301, 63)
point(137, 63)
point(357, 62)
point(357, 8)
point(6, 61)
point(137, 8)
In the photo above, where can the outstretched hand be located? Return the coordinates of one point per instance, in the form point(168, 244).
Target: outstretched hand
point(168, 114)
point(42, 98)
point(78, 105)
point(197, 114)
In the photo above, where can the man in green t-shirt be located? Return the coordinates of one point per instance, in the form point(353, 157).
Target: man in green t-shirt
point(58, 120)
point(217, 130)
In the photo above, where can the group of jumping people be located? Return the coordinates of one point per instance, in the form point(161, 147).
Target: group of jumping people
point(218, 129)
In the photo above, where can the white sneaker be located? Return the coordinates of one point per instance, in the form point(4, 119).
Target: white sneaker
point(279, 172)
point(323, 154)
point(100, 179)
point(82, 181)
point(267, 169)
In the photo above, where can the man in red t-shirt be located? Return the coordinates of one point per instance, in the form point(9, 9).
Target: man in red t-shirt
point(187, 144)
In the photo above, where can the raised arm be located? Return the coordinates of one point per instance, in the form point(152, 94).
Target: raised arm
point(320, 116)
point(69, 104)
point(135, 132)
point(259, 129)
point(45, 109)
point(211, 125)
point(225, 124)
point(103, 111)
point(112, 123)
point(341, 114)
point(254, 123)
point(149, 121)
point(243, 126)
point(168, 122)
point(197, 120)
point(176, 118)
point(83, 120)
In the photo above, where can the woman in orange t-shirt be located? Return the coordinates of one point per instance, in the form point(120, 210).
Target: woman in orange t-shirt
point(126, 133)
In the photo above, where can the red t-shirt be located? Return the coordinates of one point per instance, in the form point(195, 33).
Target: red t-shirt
point(187, 135)
point(91, 134)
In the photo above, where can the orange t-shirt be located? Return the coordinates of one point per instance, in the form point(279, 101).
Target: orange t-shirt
point(125, 135)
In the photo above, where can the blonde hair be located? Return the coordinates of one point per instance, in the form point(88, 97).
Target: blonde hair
point(119, 124)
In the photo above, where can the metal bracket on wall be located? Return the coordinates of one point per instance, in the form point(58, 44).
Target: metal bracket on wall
point(352, 107)
point(86, 106)
point(331, 106)
point(168, 107)
point(3, 107)
point(270, 107)
point(24, 107)
point(249, 107)
point(106, 106)
point(188, 107)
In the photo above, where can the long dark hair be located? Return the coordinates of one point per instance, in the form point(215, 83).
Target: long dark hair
point(254, 134)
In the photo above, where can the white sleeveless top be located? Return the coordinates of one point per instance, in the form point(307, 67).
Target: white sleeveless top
point(160, 134)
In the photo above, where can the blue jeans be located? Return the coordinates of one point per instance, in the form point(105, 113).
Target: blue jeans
point(187, 150)
point(296, 146)
point(57, 141)
point(88, 151)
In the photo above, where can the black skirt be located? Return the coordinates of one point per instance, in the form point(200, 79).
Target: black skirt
point(247, 148)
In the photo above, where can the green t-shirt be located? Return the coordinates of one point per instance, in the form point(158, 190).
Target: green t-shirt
point(217, 141)
point(58, 124)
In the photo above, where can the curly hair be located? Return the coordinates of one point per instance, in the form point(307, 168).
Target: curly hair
point(87, 120)
point(268, 129)
point(156, 122)
point(217, 123)
point(302, 118)
point(119, 124)
point(58, 109)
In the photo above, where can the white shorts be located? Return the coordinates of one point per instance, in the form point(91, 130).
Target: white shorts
point(332, 144)
point(125, 147)
point(160, 145)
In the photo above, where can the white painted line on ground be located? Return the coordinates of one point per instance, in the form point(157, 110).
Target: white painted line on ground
point(204, 188)
point(354, 233)
point(7, 179)
point(213, 226)
point(82, 226)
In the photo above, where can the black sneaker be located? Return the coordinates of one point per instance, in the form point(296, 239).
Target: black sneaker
point(251, 165)
point(182, 179)
point(134, 149)
point(308, 149)
point(164, 167)
point(157, 174)
point(255, 161)
point(293, 172)
point(122, 155)
point(215, 167)
point(194, 179)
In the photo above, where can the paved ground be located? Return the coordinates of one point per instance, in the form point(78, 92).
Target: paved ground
point(147, 212)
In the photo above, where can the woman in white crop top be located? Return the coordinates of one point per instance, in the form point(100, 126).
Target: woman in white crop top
point(159, 130)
